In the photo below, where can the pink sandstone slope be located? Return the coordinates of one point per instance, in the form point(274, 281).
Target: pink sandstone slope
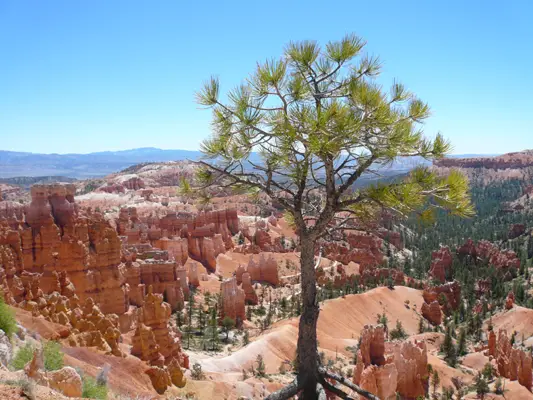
point(340, 324)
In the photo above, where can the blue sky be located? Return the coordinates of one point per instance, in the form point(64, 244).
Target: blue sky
point(83, 76)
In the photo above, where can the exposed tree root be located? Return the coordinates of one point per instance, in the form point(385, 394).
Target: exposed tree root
point(294, 387)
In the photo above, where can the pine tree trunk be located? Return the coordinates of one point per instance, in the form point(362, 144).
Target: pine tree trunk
point(307, 338)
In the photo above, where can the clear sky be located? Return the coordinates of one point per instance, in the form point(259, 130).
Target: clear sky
point(83, 76)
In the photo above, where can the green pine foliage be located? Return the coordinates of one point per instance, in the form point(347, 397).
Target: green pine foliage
point(319, 120)
point(398, 332)
point(481, 386)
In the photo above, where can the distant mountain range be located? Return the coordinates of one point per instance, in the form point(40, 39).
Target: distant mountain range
point(82, 166)
point(92, 165)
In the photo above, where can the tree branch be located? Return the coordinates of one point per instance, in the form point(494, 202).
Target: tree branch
point(321, 393)
point(336, 391)
point(348, 384)
point(287, 392)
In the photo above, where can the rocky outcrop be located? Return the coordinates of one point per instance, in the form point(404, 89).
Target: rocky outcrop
point(232, 300)
point(373, 275)
point(487, 252)
point(391, 237)
point(372, 345)
point(53, 236)
point(160, 378)
point(432, 312)
point(145, 347)
point(359, 247)
point(84, 325)
point(65, 380)
point(145, 266)
point(448, 296)
point(492, 343)
point(401, 369)
point(112, 188)
point(265, 269)
point(411, 361)
point(202, 237)
point(441, 264)
point(516, 160)
point(250, 297)
point(156, 314)
point(192, 273)
point(510, 300)
point(94, 329)
point(133, 183)
point(155, 342)
point(177, 248)
point(514, 364)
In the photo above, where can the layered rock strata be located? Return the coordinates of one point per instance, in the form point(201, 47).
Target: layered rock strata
point(232, 300)
point(399, 368)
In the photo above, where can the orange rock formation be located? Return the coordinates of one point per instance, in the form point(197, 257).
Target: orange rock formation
point(441, 264)
point(514, 364)
point(401, 369)
point(232, 301)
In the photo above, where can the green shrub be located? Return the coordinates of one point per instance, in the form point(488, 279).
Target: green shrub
point(197, 373)
point(92, 390)
point(398, 332)
point(53, 356)
point(22, 357)
point(7, 319)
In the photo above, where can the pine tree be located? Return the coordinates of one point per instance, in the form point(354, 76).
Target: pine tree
point(260, 371)
point(450, 353)
point(461, 343)
point(421, 327)
point(302, 113)
point(435, 381)
point(481, 385)
point(398, 332)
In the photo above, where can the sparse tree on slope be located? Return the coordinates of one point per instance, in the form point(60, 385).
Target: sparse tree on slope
point(319, 121)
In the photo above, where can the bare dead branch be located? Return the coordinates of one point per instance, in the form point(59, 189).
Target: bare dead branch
point(286, 392)
point(321, 393)
point(335, 390)
point(342, 380)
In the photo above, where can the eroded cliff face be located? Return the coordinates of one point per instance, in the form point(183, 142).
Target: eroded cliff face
point(232, 299)
point(440, 300)
point(69, 267)
point(157, 343)
point(52, 234)
point(400, 367)
point(359, 247)
point(262, 269)
point(486, 252)
point(516, 160)
point(514, 364)
point(441, 264)
point(201, 237)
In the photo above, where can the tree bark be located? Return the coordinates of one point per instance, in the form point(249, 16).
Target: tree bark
point(307, 351)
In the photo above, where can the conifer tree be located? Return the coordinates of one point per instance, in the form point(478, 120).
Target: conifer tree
point(481, 385)
point(319, 121)
point(450, 353)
